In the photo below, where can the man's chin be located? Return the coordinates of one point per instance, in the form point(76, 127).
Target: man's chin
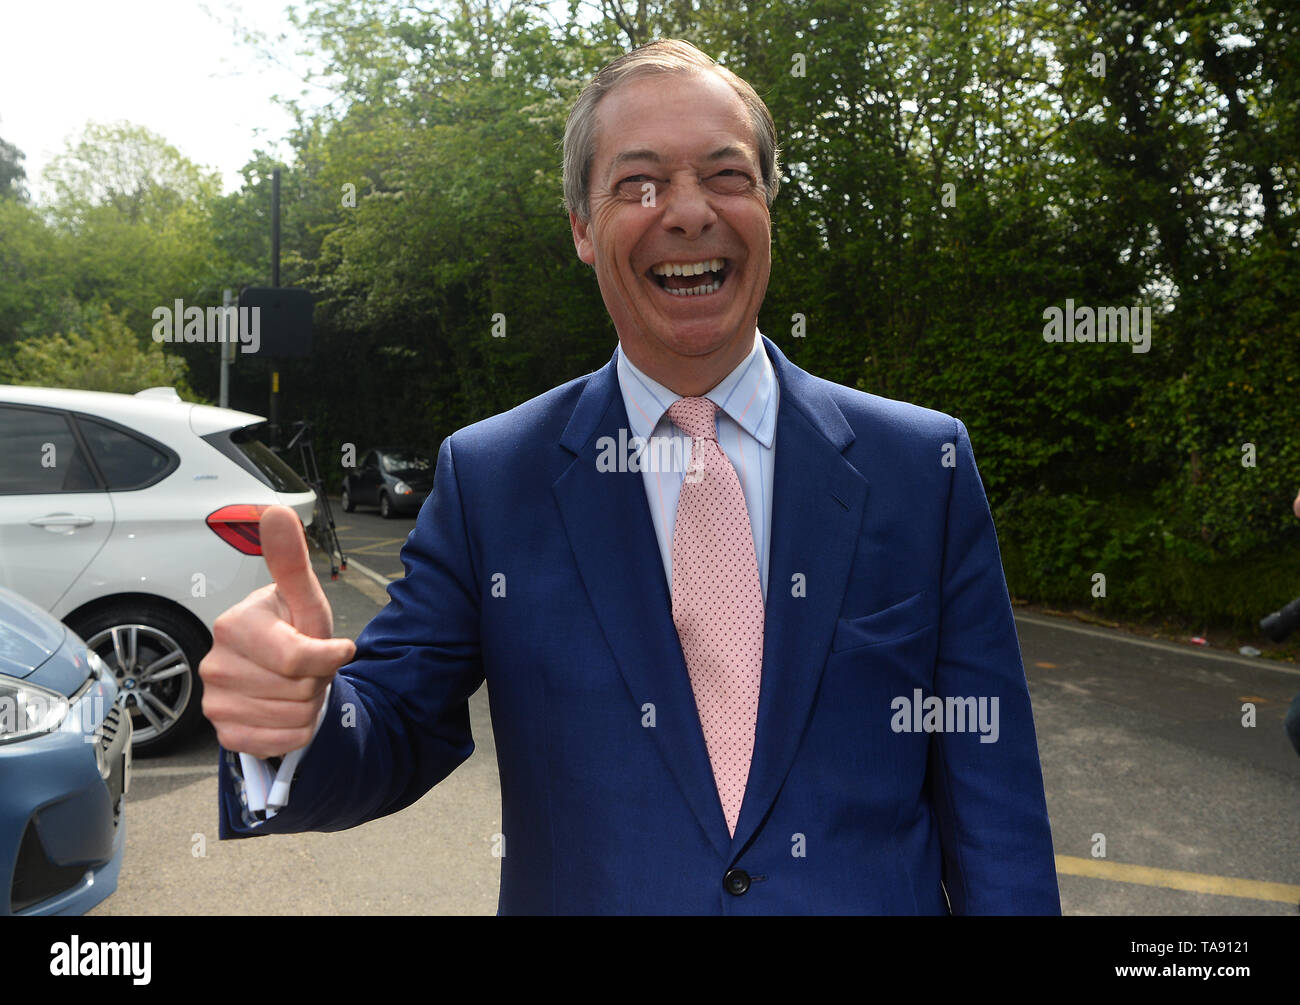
point(697, 339)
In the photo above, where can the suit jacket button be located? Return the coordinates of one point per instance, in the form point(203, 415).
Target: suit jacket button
point(736, 882)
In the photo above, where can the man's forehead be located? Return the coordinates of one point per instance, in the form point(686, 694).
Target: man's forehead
point(635, 123)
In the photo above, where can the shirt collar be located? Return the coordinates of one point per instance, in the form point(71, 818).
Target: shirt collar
point(747, 395)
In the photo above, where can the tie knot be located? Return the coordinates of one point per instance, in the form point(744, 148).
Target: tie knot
point(696, 417)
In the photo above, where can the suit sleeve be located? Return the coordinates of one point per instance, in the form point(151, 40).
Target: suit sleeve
point(396, 720)
point(987, 784)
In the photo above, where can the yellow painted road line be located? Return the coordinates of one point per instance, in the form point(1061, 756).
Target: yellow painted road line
point(370, 548)
point(1174, 879)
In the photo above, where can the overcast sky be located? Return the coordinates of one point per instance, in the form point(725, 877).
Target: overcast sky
point(177, 67)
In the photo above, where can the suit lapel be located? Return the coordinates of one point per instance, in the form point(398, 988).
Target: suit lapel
point(817, 511)
point(607, 519)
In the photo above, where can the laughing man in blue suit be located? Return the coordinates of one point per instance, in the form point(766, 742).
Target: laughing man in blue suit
point(745, 632)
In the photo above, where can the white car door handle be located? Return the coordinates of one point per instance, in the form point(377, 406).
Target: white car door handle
point(62, 523)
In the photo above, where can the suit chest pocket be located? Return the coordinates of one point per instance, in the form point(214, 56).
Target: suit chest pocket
point(891, 624)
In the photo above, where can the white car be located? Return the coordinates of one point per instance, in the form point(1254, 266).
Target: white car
point(134, 520)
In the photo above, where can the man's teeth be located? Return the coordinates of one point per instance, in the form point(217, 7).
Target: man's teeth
point(688, 268)
point(693, 291)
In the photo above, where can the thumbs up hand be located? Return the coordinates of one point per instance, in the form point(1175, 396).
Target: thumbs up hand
point(272, 656)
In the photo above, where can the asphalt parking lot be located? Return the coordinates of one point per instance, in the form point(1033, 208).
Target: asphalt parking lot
point(1142, 743)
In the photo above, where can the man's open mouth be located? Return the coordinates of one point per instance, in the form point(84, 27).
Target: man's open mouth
point(691, 279)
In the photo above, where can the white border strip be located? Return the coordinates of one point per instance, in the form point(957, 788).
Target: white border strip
point(369, 573)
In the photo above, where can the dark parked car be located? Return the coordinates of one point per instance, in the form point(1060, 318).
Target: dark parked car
point(396, 479)
point(65, 765)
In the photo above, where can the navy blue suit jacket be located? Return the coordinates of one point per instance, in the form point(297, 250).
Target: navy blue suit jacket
point(885, 581)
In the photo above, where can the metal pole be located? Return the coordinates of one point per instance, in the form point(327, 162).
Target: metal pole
point(274, 410)
point(275, 227)
point(274, 416)
point(226, 299)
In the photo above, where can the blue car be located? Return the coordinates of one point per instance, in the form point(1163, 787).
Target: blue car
point(65, 765)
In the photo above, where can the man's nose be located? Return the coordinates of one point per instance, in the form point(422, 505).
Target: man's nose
point(686, 207)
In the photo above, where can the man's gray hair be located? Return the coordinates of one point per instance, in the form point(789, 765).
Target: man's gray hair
point(664, 56)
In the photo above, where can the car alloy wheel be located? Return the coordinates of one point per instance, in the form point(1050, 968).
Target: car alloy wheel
point(152, 672)
point(154, 656)
point(348, 504)
point(385, 506)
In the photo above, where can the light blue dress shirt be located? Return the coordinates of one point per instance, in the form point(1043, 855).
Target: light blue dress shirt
point(747, 400)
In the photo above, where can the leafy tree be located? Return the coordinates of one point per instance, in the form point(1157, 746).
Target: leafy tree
point(950, 171)
point(134, 222)
point(32, 287)
point(12, 173)
point(99, 354)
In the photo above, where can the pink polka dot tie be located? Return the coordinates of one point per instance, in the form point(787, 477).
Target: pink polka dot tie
point(718, 602)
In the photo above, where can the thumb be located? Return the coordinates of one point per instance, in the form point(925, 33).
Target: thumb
point(284, 546)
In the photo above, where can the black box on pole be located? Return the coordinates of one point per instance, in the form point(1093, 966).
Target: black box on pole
point(283, 318)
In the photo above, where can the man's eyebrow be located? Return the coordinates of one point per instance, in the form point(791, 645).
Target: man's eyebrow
point(635, 155)
point(722, 153)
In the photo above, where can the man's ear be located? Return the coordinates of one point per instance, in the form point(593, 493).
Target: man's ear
point(582, 239)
